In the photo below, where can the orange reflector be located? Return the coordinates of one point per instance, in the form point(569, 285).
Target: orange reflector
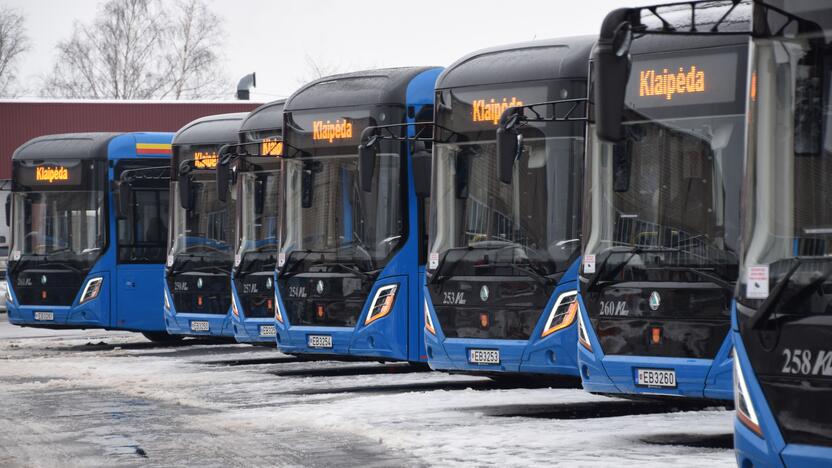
point(199, 301)
point(484, 320)
point(320, 311)
point(657, 335)
point(43, 294)
point(269, 304)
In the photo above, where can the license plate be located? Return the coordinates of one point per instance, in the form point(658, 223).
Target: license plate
point(484, 356)
point(267, 330)
point(44, 316)
point(656, 378)
point(319, 341)
point(199, 325)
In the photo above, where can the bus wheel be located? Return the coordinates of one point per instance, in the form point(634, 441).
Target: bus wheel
point(162, 337)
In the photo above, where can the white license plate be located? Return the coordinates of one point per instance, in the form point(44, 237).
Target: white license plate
point(44, 316)
point(656, 378)
point(484, 356)
point(267, 330)
point(200, 325)
point(319, 341)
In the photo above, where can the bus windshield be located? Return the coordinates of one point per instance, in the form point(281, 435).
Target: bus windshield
point(326, 211)
point(787, 218)
point(258, 219)
point(665, 202)
point(59, 225)
point(532, 221)
point(204, 233)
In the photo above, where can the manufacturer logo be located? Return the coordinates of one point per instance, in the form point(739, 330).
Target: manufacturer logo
point(43, 279)
point(269, 283)
point(199, 283)
point(319, 287)
point(484, 293)
point(453, 298)
point(655, 300)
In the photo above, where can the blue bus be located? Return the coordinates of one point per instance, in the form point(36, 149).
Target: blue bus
point(352, 230)
point(200, 246)
point(256, 177)
point(83, 255)
point(504, 246)
point(661, 226)
point(782, 322)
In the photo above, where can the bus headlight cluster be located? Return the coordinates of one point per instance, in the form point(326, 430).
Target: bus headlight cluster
point(382, 303)
point(91, 289)
point(278, 314)
point(9, 298)
point(563, 313)
point(234, 309)
point(429, 321)
point(167, 301)
point(745, 409)
point(583, 337)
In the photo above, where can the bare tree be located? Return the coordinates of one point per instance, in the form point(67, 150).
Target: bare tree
point(195, 37)
point(13, 43)
point(318, 69)
point(140, 49)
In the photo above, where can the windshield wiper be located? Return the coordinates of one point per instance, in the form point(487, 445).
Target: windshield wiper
point(716, 279)
point(365, 275)
point(769, 304)
point(542, 279)
point(435, 277)
point(633, 251)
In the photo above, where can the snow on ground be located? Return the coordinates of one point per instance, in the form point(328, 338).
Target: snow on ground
point(95, 398)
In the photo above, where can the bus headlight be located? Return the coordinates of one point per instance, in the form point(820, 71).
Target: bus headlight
point(745, 409)
point(278, 314)
point(167, 301)
point(382, 304)
point(91, 290)
point(429, 321)
point(583, 337)
point(9, 299)
point(563, 313)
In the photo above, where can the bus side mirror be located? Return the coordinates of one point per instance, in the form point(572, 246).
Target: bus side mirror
point(421, 172)
point(367, 158)
point(259, 196)
point(509, 144)
point(307, 179)
point(185, 188)
point(223, 177)
point(9, 210)
point(610, 74)
point(124, 201)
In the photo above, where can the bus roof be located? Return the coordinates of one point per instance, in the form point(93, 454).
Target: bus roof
point(546, 59)
point(266, 117)
point(369, 87)
point(213, 129)
point(97, 145)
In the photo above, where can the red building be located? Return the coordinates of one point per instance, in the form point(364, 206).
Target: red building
point(22, 120)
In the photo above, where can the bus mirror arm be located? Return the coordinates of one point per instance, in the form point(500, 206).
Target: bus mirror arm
point(612, 69)
point(367, 158)
point(8, 210)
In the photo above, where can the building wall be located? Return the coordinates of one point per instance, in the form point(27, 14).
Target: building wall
point(21, 121)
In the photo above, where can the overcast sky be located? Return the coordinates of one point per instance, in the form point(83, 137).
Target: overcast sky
point(277, 38)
